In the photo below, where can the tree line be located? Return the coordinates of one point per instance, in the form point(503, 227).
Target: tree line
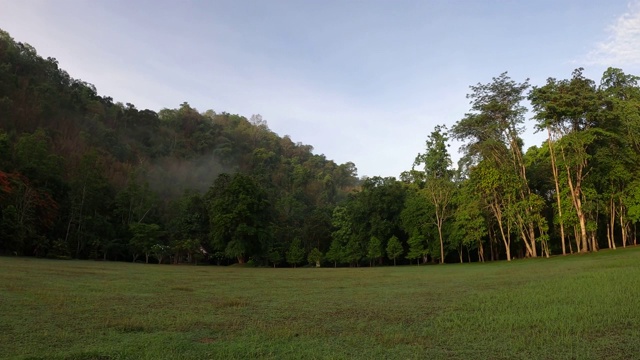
point(576, 192)
point(84, 177)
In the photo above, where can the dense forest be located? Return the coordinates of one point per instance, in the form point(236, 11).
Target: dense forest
point(84, 177)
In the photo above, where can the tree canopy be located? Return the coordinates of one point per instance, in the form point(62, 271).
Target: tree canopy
point(82, 176)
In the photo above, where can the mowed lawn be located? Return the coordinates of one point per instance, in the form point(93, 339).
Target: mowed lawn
point(575, 307)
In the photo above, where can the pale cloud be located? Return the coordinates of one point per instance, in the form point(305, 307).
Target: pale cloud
point(621, 46)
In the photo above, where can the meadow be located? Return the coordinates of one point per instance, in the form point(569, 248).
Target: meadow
point(574, 307)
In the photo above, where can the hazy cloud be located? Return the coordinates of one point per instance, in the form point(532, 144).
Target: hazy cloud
point(621, 46)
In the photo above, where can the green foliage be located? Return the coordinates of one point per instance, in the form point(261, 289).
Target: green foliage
point(469, 226)
point(91, 196)
point(372, 212)
point(374, 250)
point(417, 248)
point(275, 256)
point(438, 184)
point(145, 236)
point(335, 253)
point(353, 252)
point(492, 131)
point(136, 201)
point(394, 249)
point(160, 251)
point(295, 255)
point(315, 257)
point(436, 159)
point(59, 250)
point(189, 228)
point(34, 159)
point(9, 230)
point(239, 216)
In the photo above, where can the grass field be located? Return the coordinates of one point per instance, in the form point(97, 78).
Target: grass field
point(576, 307)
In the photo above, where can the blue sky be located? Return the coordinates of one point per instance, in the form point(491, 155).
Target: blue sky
point(361, 81)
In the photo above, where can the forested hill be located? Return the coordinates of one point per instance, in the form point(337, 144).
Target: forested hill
point(84, 177)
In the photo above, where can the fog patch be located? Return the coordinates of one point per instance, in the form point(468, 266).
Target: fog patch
point(170, 177)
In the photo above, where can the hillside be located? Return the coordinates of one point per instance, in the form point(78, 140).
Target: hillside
point(79, 174)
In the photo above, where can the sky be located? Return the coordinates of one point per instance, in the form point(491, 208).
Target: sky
point(364, 81)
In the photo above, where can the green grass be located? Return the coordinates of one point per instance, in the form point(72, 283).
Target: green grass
point(576, 307)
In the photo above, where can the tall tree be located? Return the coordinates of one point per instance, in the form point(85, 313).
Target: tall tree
point(417, 249)
point(492, 130)
point(315, 257)
point(374, 250)
point(570, 109)
point(90, 210)
point(295, 255)
point(335, 253)
point(415, 220)
point(438, 184)
point(394, 249)
point(617, 155)
point(469, 224)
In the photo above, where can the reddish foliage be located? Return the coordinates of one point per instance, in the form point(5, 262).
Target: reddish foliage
point(5, 181)
point(45, 207)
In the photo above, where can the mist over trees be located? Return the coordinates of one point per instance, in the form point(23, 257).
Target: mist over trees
point(84, 177)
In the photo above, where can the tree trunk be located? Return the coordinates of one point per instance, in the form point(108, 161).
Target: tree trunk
point(570, 247)
point(66, 237)
point(583, 229)
point(491, 242)
point(527, 228)
point(611, 225)
point(531, 249)
point(554, 168)
point(440, 221)
point(506, 239)
point(623, 226)
point(576, 193)
point(79, 238)
point(546, 247)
